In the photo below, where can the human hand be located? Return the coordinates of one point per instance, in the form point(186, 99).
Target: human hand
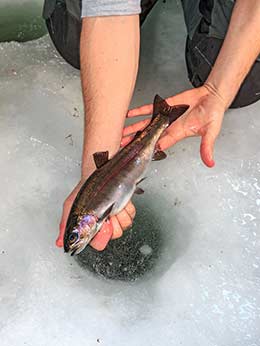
point(203, 118)
point(112, 229)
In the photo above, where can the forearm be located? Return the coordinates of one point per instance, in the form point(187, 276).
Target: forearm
point(239, 51)
point(109, 54)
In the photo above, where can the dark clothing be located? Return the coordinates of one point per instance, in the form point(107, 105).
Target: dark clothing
point(201, 53)
point(206, 21)
point(207, 25)
point(215, 14)
point(64, 29)
point(63, 20)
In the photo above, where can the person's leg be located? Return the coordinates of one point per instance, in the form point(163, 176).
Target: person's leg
point(202, 49)
point(146, 6)
point(64, 29)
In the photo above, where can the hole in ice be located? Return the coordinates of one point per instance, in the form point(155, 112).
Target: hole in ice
point(158, 237)
point(130, 256)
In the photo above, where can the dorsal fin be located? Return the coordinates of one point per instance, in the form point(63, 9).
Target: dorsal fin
point(139, 191)
point(100, 158)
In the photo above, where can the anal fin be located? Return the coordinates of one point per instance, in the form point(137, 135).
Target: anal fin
point(159, 155)
point(139, 191)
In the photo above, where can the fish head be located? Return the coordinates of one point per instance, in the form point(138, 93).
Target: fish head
point(81, 234)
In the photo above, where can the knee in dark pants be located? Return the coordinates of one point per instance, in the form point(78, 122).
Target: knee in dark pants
point(201, 53)
point(64, 30)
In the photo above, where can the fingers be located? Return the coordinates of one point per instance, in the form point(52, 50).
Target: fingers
point(132, 129)
point(143, 110)
point(186, 97)
point(140, 125)
point(123, 220)
point(126, 140)
point(113, 228)
point(189, 97)
point(99, 242)
point(117, 229)
point(171, 136)
point(130, 208)
point(206, 149)
point(148, 109)
point(181, 98)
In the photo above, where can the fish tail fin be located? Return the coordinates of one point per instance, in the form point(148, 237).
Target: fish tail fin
point(160, 106)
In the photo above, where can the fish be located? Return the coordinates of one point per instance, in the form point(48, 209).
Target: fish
point(111, 186)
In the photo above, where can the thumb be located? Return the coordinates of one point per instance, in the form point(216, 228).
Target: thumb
point(206, 149)
point(65, 214)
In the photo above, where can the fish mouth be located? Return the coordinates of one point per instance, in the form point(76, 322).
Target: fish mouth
point(77, 248)
point(75, 251)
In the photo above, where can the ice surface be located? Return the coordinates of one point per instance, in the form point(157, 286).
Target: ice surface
point(196, 236)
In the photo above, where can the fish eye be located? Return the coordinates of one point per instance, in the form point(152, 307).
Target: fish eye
point(73, 237)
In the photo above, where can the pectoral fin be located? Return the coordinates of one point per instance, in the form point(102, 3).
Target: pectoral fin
point(139, 191)
point(106, 213)
point(159, 155)
point(100, 158)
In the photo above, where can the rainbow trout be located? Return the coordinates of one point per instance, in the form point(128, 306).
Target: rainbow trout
point(108, 190)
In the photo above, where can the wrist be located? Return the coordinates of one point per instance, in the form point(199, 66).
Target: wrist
point(213, 88)
point(87, 166)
